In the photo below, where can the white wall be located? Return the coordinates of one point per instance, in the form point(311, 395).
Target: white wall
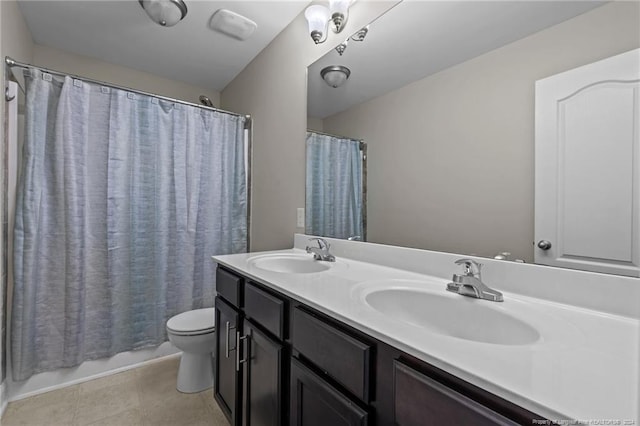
point(85, 66)
point(451, 164)
point(273, 88)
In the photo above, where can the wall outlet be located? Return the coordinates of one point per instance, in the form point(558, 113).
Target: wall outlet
point(300, 219)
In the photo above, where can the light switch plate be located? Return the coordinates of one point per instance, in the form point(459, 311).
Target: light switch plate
point(301, 217)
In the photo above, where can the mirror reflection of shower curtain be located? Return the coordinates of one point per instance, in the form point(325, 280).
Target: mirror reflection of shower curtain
point(122, 200)
point(334, 187)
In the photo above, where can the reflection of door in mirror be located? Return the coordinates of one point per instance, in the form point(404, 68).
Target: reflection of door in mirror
point(587, 190)
point(335, 186)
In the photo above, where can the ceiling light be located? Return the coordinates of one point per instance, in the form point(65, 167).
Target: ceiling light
point(335, 75)
point(319, 16)
point(342, 47)
point(165, 12)
point(232, 24)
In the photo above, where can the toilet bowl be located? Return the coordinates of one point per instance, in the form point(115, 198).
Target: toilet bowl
point(194, 333)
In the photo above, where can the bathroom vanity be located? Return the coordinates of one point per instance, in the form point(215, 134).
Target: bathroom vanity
point(303, 342)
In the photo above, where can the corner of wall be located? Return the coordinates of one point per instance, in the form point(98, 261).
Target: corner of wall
point(273, 89)
point(15, 41)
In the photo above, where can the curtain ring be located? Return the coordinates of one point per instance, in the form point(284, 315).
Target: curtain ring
point(6, 95)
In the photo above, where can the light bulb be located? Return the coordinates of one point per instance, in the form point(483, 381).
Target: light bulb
point(339, 10)
point(318, 18)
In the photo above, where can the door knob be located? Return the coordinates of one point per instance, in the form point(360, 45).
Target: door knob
point(544, 245)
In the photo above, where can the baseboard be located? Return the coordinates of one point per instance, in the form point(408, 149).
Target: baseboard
point(89, 370)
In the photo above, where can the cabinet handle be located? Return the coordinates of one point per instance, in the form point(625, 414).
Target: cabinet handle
point(239, 340)
point(227, 349)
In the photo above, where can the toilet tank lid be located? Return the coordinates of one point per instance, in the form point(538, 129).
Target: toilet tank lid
point(198, 319)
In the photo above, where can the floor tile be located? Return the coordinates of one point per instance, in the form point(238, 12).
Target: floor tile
point(176, 409)
point(102, 402)
point(55, 408)
point(217, 417)
point(145, 396)
point(131, 417)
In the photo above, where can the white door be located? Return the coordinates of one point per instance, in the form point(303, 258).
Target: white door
point(587, 167)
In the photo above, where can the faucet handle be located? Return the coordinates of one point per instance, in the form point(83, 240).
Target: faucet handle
point(322, 243)
point(471, 267)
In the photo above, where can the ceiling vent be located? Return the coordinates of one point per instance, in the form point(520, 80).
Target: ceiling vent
point(232, 24)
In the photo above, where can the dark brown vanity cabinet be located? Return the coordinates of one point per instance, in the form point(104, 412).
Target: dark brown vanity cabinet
point(314, 402)
point(263, 373)
point(264, 368)
point(250, 355)
point(226, 384)
point(419, 400)
point(280, 362)
point(339, 391)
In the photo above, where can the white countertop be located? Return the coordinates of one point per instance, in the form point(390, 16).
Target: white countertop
point(584, 367)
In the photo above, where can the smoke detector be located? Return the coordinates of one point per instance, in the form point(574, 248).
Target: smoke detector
point(232, 24)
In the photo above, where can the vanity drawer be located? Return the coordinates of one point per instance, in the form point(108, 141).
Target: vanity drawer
point(265, 309)
point(229, 286)
point(418, 400)
point(344, 358)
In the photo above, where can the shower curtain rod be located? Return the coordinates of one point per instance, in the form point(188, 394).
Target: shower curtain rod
point(13, 63)
point(362, 142)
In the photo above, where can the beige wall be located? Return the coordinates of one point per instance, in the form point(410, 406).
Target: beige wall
point(315, 124)
point(451, 164)
point(16, 38)
point(15, 41)
point(273, 88)
point(85, 66)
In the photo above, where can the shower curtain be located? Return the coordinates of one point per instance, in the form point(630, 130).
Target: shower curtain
point(334, 187)
point(122, 201)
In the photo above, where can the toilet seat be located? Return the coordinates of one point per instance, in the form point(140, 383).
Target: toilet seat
point(191, 323)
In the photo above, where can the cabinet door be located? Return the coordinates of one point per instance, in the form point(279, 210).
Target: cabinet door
point(227, 378)
point(263, 375)
point(421, 401)
point(315, 403)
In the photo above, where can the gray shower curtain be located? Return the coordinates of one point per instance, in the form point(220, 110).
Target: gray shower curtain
point(334, 187)
point(122, 200)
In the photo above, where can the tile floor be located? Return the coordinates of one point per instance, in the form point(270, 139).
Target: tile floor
point(144, 396)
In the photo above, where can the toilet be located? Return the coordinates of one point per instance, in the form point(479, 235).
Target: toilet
point(194, 333)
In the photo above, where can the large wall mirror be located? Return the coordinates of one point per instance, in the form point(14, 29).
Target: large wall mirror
point(444, 95)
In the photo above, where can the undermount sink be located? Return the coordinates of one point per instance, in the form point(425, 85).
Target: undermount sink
point(289, 263)
point(460, 317)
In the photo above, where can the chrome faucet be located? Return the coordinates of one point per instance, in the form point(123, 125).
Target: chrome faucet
point(322, 251)
point(469, 283)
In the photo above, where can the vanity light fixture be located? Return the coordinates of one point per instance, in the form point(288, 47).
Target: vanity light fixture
point(358, 36)
point(361, 34)
point(342, 47)
point(319, 17)
point(165, 12)
point(335, 75)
